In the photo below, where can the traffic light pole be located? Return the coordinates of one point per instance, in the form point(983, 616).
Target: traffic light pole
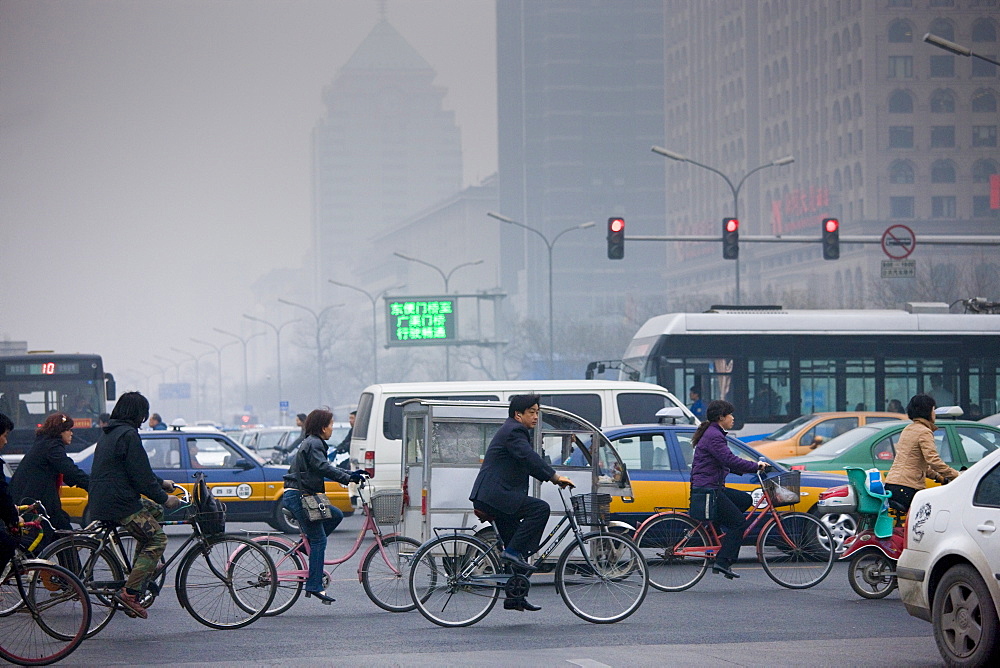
point(937, 239)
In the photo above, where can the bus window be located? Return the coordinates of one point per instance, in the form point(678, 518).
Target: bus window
point(768, 388)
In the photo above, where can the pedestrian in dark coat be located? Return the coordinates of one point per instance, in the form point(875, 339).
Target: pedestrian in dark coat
point(501, 488)
point(713, 461)
point(45, 468)
point(8, 512)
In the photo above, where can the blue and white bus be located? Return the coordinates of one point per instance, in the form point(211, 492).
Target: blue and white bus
point(34, 385)
point(775, 365)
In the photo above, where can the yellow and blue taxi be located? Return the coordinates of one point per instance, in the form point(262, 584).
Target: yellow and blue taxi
point(658, 458)
point(250, 488)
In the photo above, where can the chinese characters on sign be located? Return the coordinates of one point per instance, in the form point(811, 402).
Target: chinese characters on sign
point(899, 268)
point(421, 320)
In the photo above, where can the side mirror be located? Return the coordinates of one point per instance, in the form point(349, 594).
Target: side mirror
point(672, 413)
point(110, 389)
point(242, 464)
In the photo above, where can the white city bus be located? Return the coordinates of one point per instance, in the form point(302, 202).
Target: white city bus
point(775, 365)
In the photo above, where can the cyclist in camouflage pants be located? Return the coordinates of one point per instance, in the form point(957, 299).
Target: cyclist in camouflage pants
point(120, 477)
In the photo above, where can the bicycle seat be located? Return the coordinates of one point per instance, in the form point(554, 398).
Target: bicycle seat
point(483, 516)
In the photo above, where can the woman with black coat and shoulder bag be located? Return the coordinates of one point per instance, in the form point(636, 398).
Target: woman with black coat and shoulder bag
point(309, 470)
point(45, 468)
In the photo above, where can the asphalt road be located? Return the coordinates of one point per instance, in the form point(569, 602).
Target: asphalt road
point(747, 622)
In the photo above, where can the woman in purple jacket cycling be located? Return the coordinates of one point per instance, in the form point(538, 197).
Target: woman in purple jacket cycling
point(713, 461)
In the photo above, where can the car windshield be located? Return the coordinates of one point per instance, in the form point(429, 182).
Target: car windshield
point(788, 429)
point(839, 444)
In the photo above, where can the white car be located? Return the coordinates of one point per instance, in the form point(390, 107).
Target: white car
point(948, 573)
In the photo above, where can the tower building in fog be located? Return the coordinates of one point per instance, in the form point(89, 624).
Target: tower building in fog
point(884, 128)
point(385, 149)
point(580, 100)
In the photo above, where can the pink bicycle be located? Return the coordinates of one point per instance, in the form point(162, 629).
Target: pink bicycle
point(383, 570)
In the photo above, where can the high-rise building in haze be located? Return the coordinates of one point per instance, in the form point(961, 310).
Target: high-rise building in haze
point(884, 128)
point(385, 149)
point(580, 101)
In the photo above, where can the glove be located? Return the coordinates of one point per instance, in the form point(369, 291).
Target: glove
point(357, 476)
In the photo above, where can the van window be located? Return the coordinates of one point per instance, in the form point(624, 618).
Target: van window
point(364, 415)
point(392, 417)
point(587, 406)
point(640, 407)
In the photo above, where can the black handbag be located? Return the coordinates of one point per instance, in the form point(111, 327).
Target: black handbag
point(703, 505)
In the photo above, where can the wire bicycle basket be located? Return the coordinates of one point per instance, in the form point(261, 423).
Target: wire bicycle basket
point(209, 522)
point(387, 506)
point(592, 509)
point(784, 488)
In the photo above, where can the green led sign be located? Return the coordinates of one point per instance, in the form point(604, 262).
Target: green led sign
point(424, 321)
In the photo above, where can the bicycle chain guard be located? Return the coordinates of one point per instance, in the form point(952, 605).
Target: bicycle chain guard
point(517, 586)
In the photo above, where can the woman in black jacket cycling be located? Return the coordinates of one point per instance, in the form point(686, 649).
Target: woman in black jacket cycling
point(306, 475)
point(45, 467)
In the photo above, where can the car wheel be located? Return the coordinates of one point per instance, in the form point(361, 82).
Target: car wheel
point(965, 619)
point(283, 520)
point(842, 526)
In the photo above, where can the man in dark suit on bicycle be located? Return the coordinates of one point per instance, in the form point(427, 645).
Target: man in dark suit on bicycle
point(501, 488)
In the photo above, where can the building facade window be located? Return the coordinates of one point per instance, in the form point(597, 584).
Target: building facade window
point(984, 30)
point(901, 171)
point(901, 207)
point(983, 169)
point(943, 136)
point(984, 100)
point(982, 69)
point(900, 102)
point(900, 31)
point(943, 101)
point(943, 28)
point(981, 207)
point(943, 171)
point(900, 67)
point(942, 66)
point(943, 206)
point(901, 136)
point(984, 135)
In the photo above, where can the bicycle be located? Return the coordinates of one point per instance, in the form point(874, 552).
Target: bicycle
point(212, 585)
point(44, 609)
point(456, 579)
point(382, 571)
point(793, 548)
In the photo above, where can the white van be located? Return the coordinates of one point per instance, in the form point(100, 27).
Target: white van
point(377, 444)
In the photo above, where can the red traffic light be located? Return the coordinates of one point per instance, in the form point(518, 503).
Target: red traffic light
point(616, 238)
point(732, 225)
point(617, 225)
point(831, 224)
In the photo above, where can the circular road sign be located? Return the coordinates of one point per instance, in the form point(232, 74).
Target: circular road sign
point(898, 242)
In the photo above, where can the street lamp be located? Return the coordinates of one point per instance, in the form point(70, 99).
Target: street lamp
point(177, 379)
point(549, 245)
point(319, 347)
point(957, 49)
point(735, 189)
point(218, 353)
point(372, 299)
point(197, 388)
point(163, 375)
point(445, 277)
point(246, 392)
point(277, 335)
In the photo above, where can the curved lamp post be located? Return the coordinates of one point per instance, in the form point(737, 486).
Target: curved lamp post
point(319, 346)
point(372, 299)
point(549, 245)
point(735, 189)
point(277, 336)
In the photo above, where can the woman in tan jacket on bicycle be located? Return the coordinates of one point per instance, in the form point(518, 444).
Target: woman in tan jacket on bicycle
point(916, 454)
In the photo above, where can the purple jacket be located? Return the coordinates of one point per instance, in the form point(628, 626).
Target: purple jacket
point(713, 460)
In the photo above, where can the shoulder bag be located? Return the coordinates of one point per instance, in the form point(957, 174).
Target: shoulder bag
point(317, 506)
point(703, 505)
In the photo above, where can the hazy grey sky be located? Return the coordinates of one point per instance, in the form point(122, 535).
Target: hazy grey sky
point(155, 154)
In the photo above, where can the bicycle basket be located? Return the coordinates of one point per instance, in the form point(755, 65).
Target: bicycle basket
point(592, 509)
point(784, 488)
point(387, 506)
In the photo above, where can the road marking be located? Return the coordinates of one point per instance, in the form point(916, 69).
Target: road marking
point(587, 663)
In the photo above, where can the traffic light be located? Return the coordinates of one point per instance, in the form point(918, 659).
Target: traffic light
point(730, 238)
point(616, 238)
point(831, 239)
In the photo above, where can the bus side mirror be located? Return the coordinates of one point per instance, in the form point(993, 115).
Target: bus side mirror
point(109, 387)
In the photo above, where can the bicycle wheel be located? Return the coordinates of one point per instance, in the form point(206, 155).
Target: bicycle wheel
point(662, 542)
point(387, 583)
point(51, 619)
point(99, 571)
point(226, 582)
point(604, 579)
point(455, 580)
point(796, 550)
point(871, 574)
point(286, 562)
